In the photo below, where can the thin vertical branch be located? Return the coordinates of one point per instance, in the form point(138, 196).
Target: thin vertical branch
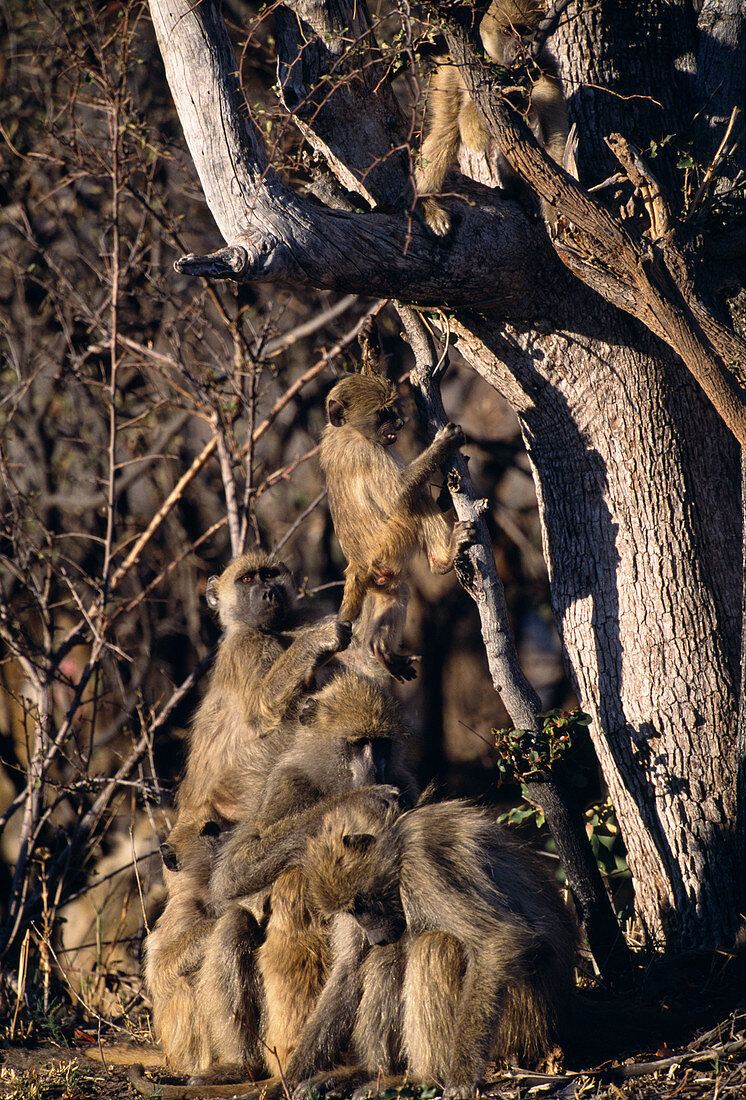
point(241, 353)
point(114, 312)
point(229, 483)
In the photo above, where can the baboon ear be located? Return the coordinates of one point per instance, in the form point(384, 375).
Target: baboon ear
point(210, 828)
point(169, 857)
point(211, 593)
point(358, 842)
point(307, 711)
point(335, 410)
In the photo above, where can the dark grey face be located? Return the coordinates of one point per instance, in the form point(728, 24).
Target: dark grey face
point(262, 598)
point(389, 424)
point(367, 760)
point(510, 45)
point(381, 918)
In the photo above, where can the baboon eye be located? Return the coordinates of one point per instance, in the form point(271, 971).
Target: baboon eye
point(268, 574)
point(247, 578)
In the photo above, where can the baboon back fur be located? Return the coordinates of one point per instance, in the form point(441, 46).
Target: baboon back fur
point(489, 944)
point(293, 963)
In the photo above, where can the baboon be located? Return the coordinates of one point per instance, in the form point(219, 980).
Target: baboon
point(382, 511)
point(350, 735)
point(292, 964)
point(175, 949)
point(451, 945)
point(200, 969)
point(453, 117)
point(264, 661)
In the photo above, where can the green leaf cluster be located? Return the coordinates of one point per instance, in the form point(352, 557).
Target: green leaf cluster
point(528, 756)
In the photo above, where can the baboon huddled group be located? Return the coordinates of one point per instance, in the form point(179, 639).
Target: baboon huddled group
point(323, 922)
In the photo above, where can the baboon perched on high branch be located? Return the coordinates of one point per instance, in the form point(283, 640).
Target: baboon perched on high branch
point(453, 118)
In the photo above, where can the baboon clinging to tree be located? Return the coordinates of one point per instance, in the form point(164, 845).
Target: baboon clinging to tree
point(485, 955)
point(383, 511)
point(265, 660)
point(454, 119)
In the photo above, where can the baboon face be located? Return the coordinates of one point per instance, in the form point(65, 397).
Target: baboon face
point(367, 760)
point(505, 26)
point(253, 591)
point(368, 404)
point(360, 723)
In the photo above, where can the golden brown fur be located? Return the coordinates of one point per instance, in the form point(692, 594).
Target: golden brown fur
point(261, 670)
point(486, 945)
point(382, 510)
point(453, 118)
point(292, 963)
point(175, 948)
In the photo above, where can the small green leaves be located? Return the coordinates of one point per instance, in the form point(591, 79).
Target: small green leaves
point(526, 756)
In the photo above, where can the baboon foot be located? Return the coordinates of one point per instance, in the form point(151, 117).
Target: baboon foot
point(437, 217)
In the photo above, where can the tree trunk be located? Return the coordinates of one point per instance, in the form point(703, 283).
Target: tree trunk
point(638, 493)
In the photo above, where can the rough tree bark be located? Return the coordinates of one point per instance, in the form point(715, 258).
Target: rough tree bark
point(637, 476)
